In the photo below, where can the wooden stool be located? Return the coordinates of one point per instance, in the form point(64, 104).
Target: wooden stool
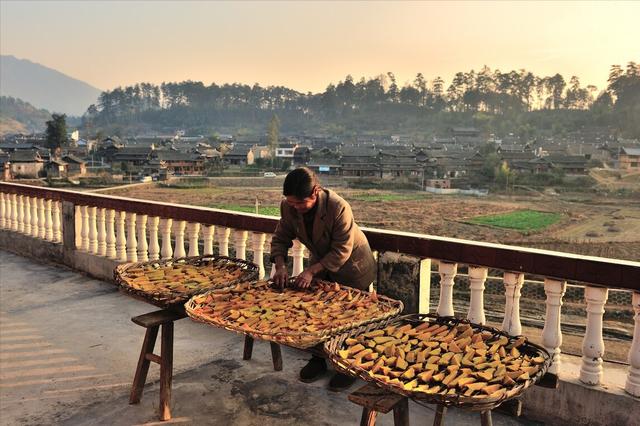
point(276, 353)
point(375, 400)
point(152, 322)
point(441, 410)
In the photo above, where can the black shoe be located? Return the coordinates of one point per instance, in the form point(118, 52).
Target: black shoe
point(314, 369)
point(340, 382)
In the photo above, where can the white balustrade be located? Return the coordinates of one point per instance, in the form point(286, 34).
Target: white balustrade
point(297, 252)
point(48, 220)
point(34, 218)
point(193, 232)
point(165, 229)
point(240, 243)
point(132, 242)
point(477, 278)
point(111, 234)
point(121, 239)
point(2, 210)
point(14, 212)
point(143, 247)
point(78, 226)
point(593, 344)
point(42, 224)
point(512, 284)
point(551, 333)
point(222, 234)
point(257, 246)
point(633, 379)
point(84, 211)
point(154, 246)
point(57, 221)
point(178, 227)
point(447, 273)
point(102, 231)
point(207, 237)
point(20, 201)
point(93, 230)
point(27, 215)
point(424, 285)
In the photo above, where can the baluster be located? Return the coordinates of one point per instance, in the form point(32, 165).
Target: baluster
point(27, 215)
point(179, 226)
point(551, 333)
point(132, 243)
point(20, 201)
point(240, 243)
point(193, 230)
point(297, 252)
point(14, 212)
point(121, 239)
point(93, 230)
point(143, 255)
point(57, 230)
point(111, 234)
point(477, 278)
point(257, 245)
point(223, 240)
point(84, 211)
point(165, 228)
point(512, 284)
point(424, 284)
point(633, 379)
point(207, 236)
point(34, 218)
point(102, 231)
point(42, 224)
point(3, 211)
point(48, 220)
point(78, 225)
point(154, 247)
point(593, 344)
point(447, 273)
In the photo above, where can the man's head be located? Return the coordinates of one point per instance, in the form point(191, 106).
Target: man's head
point(300, 189)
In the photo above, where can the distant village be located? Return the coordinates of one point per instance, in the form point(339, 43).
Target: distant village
point(442, 162)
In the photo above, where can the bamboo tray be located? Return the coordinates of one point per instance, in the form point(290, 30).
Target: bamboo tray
point(325, 299)
point(443, 396)
point(201, 274)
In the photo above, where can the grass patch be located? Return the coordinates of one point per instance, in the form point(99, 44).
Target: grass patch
point(266, 210)
point(386, 197)
point(521, 220)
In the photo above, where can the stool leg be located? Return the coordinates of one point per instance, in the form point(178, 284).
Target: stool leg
point(140, 377)
point(485, 418)
point(166, 370)
point(248, 347)
point(276, 356)
point(401, 413)
point(438, 420)
point(368, 417)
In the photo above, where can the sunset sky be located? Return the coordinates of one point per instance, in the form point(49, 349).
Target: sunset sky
point(307, 45)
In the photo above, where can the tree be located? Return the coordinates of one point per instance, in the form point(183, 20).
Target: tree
point(273, 134)
point(56, 132)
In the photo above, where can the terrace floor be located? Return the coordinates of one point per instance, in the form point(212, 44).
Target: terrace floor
point(68, 351)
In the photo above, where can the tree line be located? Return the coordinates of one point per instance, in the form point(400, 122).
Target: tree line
point(485, 97)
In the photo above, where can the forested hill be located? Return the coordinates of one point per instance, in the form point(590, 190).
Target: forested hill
point(17, 116)
point(494, 101)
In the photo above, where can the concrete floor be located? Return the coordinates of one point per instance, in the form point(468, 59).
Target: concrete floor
point(68, 351)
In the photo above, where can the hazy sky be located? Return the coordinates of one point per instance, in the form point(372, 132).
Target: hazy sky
point(307, 45)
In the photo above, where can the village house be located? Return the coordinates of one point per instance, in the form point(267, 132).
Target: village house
point(27, 164)
point(56, 168)
point(359, 162)
point(301, 155)
point(75, 165)
point(570, 164)
point(180, 163)
point(132, 159)
point(5, 166)
point(261, 151)
point(325, 161)
point(398, 163)
point(629, 158)
point(239, 155)
point(286, 151)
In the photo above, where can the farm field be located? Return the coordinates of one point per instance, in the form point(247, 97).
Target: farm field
point(570, 223)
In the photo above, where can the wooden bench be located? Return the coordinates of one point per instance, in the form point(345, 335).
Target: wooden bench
point(276, 353)
point(374, 400)
point(152, 322)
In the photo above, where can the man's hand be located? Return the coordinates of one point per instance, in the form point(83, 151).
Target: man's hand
point(281, 276)
point(304, 279)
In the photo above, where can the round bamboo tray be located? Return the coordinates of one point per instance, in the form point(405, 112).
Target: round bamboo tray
point(164, 297)
point(298, 339)
point(475, 403)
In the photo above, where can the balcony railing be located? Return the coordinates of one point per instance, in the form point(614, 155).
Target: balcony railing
point(130, 230)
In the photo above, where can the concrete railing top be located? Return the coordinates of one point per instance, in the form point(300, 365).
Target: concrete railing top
point(612, 273)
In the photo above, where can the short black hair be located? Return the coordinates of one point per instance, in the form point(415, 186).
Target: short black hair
point(300, 183)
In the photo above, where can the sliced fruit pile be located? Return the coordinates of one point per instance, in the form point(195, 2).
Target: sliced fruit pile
point(439, 359)
point(259, 307)
point(179, 277)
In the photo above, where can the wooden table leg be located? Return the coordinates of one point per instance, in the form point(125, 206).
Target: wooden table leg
point(166, 370)
point(401, 413)
point(276, 356)
point(368, 417)
point(248, 347)
point(140, 377)
point(485, 418)
point(438, 420)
